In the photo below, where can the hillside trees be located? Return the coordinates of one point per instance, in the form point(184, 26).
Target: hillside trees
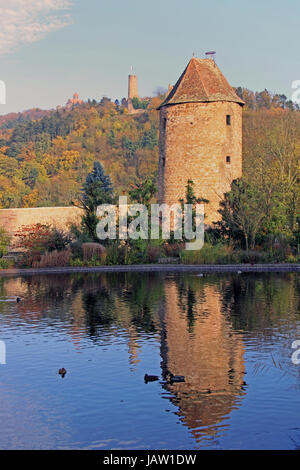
point(52, 156)
point(271, 163)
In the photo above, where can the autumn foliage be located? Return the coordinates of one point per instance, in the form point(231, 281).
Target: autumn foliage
point(35, 240)
point(44, 162)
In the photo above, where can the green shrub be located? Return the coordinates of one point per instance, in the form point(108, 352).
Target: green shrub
point(293, 259)
point(58, 240)
point(250, 256)
point(127, 252)
point(76, 248)
point(209, 254)
point(139, 104)
point(76, 262)
point(115, 254)
point(4, 241)
point(4, 263)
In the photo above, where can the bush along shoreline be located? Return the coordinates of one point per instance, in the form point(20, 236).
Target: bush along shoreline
point(43, 246)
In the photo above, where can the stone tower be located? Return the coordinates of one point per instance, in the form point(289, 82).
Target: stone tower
point(132, 87)
point(132, 92)
point(200, 136)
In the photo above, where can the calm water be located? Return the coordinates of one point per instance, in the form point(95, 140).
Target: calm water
point(229, 335)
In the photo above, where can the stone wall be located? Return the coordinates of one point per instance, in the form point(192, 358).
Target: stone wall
point(194, 143)
point(60, 217)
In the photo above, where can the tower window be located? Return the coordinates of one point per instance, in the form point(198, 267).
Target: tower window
point(228, 119)
point(165, 123)
point(228, 159)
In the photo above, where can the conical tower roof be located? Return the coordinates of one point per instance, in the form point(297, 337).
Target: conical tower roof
point(202, 81)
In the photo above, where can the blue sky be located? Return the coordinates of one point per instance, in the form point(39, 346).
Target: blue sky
point(51, 48)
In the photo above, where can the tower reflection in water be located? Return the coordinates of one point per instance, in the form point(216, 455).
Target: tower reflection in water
point(199, 342)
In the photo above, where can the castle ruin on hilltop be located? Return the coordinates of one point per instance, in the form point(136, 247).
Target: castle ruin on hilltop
point(132, 93)
point(73, 101)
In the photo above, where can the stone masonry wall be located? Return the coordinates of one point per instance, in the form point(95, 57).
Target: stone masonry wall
point(194, 143)
point(60, 217)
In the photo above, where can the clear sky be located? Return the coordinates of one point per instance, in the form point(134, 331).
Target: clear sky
point(51, 48)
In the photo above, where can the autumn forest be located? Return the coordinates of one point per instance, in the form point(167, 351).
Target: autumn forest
point(46, 156)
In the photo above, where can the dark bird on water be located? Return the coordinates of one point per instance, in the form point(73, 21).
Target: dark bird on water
point(176, 378)
point(150, 378)
point(62, 372)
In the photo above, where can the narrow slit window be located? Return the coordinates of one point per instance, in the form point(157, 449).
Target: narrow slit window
point(228, 119)
point(165, 123)
point(228, 159)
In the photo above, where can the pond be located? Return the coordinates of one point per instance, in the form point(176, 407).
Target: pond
point(229, 335)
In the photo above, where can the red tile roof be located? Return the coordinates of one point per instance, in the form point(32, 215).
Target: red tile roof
point(201, 81)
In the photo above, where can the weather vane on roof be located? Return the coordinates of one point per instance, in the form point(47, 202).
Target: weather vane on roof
point(210, 55)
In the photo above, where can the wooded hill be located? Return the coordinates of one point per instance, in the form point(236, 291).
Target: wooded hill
point(45, 156)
